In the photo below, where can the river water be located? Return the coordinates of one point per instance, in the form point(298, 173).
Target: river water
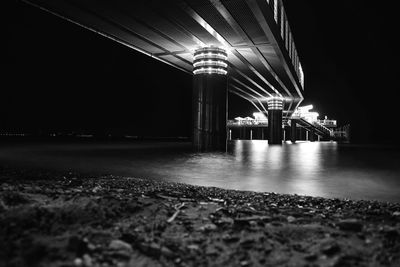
point(326, 169)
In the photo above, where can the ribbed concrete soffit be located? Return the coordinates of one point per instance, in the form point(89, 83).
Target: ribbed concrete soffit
point(171, 30)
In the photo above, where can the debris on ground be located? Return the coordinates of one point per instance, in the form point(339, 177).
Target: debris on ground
point(71, 220)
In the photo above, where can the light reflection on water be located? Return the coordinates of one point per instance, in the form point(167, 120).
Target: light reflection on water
point(323, 169)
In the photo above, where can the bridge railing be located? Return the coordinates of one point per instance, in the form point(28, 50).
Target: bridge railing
point(328, 123)
point(323, 128)
point(316, 124)
point(247, 123)
point(286, 35)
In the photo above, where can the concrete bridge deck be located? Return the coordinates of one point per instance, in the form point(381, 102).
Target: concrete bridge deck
point(263, 60)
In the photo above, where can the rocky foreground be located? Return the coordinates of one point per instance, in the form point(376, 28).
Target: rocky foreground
point(115, 221)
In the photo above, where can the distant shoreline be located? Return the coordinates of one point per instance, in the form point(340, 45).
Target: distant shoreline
point(84, 137)
point(71, 220)
point(183, 139)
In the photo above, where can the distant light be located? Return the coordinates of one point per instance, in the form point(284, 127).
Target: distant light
point(305, 113)
point(301, 75)
point(306, 108)
point(259, 116)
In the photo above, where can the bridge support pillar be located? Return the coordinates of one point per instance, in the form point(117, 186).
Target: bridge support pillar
point(284, 134)
point(293, 131)
point(312, 136)
point(209, 99)
point(275, 107)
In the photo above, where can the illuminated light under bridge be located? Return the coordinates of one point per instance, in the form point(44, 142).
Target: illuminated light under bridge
point(210, 60)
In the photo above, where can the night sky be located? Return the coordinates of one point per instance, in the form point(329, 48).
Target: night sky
point(58, 77)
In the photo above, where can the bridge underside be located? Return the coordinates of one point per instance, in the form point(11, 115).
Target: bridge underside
point(260, 64)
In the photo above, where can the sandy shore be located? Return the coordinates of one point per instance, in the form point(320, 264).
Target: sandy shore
point(69, 220)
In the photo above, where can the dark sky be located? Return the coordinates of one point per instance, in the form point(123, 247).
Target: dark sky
point(60, 77)
point(348, 51)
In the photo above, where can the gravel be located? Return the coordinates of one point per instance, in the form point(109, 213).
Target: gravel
point(74, 220)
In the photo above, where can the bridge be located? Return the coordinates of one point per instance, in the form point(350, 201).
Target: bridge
point(244, 47)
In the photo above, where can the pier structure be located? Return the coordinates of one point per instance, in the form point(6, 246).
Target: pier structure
point(260, 60)
point(302, 125)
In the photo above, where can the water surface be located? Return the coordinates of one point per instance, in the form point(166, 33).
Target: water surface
point(324, 169)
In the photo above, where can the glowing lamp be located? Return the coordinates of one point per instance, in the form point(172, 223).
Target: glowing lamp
point(210, 60)
point(275, 103)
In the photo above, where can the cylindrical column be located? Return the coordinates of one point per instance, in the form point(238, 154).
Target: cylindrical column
point(293, 131)
point(210, 68)
point(275, 107)
point(284, 134)
point(312, 136)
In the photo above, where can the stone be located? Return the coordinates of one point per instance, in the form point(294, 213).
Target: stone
point(3, 206)
point(87, 260)
point(211, 250)
point(230, 238)
point(153, 249)
point(349, 260)
point(193, 247)
point(311, 257)
point(96, 189)
point(290, 219)
point(120, 245)
point(331, 249)
point(225, 221)
point(167, 252)
point(247, 243)
point(350, 225)
point(243, 221)
point(77, 245)
point(78, 262)
point(208, 227)
point(244, 263)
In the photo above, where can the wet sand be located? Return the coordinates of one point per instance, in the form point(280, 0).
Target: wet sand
point(57, 219)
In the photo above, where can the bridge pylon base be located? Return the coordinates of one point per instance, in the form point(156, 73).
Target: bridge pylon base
point(293, 131)
point(209, 113)
point(275, 107)
point(312, 136)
